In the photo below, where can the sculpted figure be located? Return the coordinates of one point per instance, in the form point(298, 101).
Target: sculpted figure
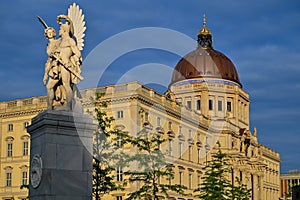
point(52, 70)
point(51, 47)
point(62, 69)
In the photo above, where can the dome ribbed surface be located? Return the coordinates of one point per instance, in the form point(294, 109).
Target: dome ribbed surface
point(205, 63)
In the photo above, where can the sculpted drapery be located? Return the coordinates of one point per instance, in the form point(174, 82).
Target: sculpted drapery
point(63, 66)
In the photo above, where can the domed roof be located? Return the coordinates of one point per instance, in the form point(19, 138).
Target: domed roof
point(205, 62)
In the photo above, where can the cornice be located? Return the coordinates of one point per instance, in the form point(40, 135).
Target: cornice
point(21, 113)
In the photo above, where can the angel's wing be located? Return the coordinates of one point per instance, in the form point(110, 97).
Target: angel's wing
point(77, 18)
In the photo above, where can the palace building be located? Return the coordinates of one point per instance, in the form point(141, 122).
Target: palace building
point(205, 103)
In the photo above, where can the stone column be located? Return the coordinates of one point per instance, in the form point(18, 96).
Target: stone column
point(204, 102)
point(255, 186)
point(61, 156)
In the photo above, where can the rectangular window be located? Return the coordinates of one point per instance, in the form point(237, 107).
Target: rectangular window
point(198, 155)
point(258, 182)
point(170, 148)
point(170, 179)
point(190, 134)
point(232, 176)
point(198, 104)
point(190, 180)
point(9, 149)
point(25, 148)
point(27, 102)
point(24, 178)
point(198, 180)
point(190, 153)
point(8, 179)
point(220, 105)
point(120, 114)
point(26, 124)
point(10, 127)
point(210, 104)
point(158, 121)
point(119, 198)
point(180, 149)
point(119, 174)
point(170, 125)
point(180, 177)
point(229, 109)
point(12, 104)
point(146, 116)
point(189, 104)
point(43, 99)
point(241, 176)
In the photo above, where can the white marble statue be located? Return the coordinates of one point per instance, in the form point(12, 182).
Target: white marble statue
point(62, 69)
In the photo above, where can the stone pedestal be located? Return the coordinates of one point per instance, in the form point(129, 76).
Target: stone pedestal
point(61, 156)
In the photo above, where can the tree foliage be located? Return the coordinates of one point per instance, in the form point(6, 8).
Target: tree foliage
point(151, 168)
point(107, 153)
point(216, 184)
point(240, 192)
point(150, 162)
point(148, 165)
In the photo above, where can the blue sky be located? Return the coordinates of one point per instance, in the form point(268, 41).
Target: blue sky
point(261, 37)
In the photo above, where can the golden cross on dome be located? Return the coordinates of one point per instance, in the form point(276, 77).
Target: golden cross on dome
point(204, 35)
point(204, 20)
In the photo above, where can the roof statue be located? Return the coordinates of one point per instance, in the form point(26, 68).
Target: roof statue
point(63, 66)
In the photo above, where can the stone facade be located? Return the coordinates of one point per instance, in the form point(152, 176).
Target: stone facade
point(15, 116)
point(195, 128)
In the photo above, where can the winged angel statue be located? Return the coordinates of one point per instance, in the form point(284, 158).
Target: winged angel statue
point(62, 69)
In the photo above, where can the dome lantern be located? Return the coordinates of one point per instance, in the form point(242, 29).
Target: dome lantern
point(204, 35)
point(205, 62)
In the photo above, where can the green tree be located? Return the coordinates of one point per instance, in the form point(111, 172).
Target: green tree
point(240, 192)
point(151, 168)
point(216, 184)
point(107, 153)
point(149, 159)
